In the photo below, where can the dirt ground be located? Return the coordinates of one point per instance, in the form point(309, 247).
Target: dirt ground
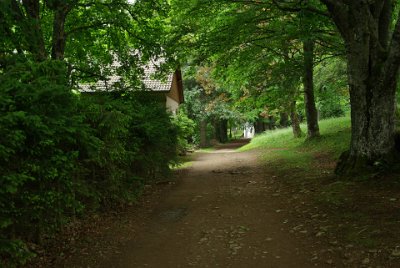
point(226, 210)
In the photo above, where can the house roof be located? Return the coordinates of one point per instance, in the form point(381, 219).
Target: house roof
point(155, 84)
point(147, 79)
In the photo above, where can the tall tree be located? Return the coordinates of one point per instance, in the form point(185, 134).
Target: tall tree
point(249, 35)
point(308, 83)
point(87, 35)
point(371, 32)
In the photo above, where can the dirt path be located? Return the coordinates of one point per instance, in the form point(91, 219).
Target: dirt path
point(223, 212)
point(219, 215)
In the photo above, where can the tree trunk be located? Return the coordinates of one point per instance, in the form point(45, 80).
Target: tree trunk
point(373, 57)
point(297, 133)
point(215, 124)
point(259, 125)
point(283, 119)
point(223, 130)
point(308, 81)
point(59, 36)
point(372, 114)
point(203, 133)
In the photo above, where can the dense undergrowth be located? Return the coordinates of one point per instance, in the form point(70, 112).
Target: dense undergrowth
point(64, 155)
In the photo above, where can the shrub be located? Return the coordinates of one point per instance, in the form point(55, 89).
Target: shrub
point(138, 142)
point(329, 104)
point(64, 154)
point(186, 129)
point(39, 140)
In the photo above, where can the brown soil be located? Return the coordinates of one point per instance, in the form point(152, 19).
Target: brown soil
point(226, 210)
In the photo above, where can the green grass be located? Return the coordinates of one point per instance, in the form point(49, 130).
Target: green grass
point(183, 162)
point(335, 138)
point(303, 157)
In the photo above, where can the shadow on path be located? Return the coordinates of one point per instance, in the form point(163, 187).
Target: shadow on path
point(221, 213)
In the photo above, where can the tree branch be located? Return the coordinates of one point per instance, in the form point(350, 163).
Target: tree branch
point(338, 11)
point(298, 9)
point(89, 26)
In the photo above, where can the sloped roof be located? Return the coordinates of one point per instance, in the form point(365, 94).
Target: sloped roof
point(154, 84)
point(147, 79)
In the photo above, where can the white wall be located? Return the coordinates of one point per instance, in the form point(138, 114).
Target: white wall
point(248, 131)
point(172, 105)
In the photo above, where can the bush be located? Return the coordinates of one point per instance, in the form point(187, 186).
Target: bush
point(64, 154)
point(329, 104)
point(186, 129)
point(138, 143)
point(331, 86)
point(39, 140)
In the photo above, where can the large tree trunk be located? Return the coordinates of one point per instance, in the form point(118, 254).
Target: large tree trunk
point(373, 63)
point(297, 133)
point(372, 116)
point(372, 112)
point(308, 81)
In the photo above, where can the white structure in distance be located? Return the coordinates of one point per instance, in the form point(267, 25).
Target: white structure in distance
point(248, 131)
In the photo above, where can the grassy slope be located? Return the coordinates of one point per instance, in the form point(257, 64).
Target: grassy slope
point(284, 152)
point(335, 139)
point(360, 211)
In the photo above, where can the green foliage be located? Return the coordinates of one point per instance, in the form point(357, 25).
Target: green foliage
point(62, 154)
point(331, 88)
point(90, 34)
point(186, 130)
point(256, 55)
point(16, 250)
point(138, 142)
point(329, 104)
point(206, 100)
point(40, 133)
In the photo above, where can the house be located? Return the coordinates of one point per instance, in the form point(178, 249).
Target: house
point(171, 88)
